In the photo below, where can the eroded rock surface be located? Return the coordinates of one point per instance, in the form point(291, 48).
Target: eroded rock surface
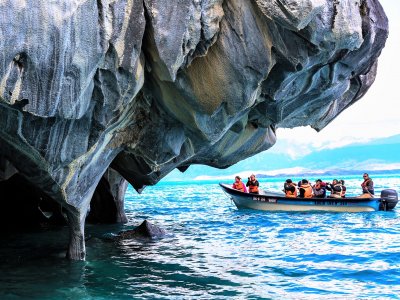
point(149, 86)
point(144, 230)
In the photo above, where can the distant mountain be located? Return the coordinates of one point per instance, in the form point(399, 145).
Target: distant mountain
point(395, 139)
point(374, 156)
point(336, 172)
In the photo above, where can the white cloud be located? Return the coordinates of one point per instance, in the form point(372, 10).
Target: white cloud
point(347, 140)
point(293, 143)
point(376, 166)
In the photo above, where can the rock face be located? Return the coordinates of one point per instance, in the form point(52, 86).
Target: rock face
point(144, 230)
point(149, 86)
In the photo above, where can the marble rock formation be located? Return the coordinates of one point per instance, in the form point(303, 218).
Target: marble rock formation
point(138, 88)
point(145, 230)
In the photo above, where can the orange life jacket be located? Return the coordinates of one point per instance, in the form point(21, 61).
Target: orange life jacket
point(307, 190)
point(238, 186)
point(291, 194)
point(365, 183)
point(253, 188)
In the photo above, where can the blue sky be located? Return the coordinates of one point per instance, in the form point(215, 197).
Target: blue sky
point(375, 115)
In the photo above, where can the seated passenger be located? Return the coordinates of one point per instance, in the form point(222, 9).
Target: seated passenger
point(319, 189)
point(335, 188)
point(253, 184)
point(239, 185)
point(343, 188)
point(305, 189)
point(289, 188)
point(368, 185)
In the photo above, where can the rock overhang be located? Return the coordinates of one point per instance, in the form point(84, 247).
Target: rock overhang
point(149, 86)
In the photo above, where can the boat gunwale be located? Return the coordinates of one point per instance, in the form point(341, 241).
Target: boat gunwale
point(231, 190)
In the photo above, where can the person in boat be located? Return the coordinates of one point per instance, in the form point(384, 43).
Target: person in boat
point(335, 188)
point(253, 184)
point(305, 189)
point(319, 189)
point(239, 185)
point(290, 189)
point(367, 185)
point(343, 188)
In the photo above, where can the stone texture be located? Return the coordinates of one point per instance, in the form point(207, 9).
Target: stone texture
point(107, 204)
point(144, 230)
point(149, 86)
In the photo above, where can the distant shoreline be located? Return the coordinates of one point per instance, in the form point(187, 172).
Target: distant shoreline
point(322, 174)
point(333, 173)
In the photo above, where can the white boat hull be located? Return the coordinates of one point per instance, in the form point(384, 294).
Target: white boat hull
point(271, 206)
point(277, 202)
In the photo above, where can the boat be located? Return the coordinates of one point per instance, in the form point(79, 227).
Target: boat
point(271, 201)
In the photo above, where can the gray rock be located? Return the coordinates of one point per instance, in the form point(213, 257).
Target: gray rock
point(107, 203)
point(144, 230)
point(149, 86)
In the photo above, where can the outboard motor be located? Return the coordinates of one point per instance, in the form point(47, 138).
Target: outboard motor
point(389, 199)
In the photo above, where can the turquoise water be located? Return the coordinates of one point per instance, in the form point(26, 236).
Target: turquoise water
point(214, 251)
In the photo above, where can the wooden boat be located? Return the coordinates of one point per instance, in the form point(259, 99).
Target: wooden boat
point(278, 202)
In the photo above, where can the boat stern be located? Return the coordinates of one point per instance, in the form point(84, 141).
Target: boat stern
point(389, 199)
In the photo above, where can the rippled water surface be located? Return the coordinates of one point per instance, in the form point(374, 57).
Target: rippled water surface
point(213, 251)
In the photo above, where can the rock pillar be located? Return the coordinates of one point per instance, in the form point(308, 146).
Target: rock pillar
point(118, 186)
point(76, 248)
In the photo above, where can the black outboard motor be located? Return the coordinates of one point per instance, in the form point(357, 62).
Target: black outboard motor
point(389, 199)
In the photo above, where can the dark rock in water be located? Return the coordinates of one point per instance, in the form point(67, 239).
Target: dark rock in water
point(144, 230)
point(149, 86)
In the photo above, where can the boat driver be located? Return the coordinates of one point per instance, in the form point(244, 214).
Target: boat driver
point(367, 185)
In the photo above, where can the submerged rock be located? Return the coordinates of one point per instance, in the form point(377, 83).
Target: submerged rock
point(147, 86)
point(144, 230)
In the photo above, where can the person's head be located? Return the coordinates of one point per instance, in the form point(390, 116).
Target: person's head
point(237, 178)
point(289, 181)
point(341, 181)
point(252, 177)
point(318, 181)
point(304, 181)
point(334, 181)
point(365, 176)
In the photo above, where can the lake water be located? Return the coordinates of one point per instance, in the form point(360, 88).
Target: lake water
point(214, 251)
